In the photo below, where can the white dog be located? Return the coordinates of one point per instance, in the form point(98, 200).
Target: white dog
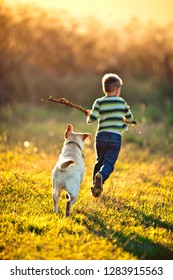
point(68, 172)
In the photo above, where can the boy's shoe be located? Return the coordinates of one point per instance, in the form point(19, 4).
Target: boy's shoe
point(97, 188)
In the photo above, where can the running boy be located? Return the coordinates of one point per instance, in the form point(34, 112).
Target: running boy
point(110, 111)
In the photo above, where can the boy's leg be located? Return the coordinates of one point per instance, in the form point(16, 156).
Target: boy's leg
point(108, 147)
point(97, 177)
point(97, 185)
point(111, 155)
point(100, 150)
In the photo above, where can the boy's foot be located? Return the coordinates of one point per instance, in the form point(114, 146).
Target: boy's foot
point(97, 188)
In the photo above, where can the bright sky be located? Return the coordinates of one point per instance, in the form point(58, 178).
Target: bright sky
point(160, 11)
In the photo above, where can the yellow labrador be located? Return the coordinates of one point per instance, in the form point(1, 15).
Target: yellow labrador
point(69, 170)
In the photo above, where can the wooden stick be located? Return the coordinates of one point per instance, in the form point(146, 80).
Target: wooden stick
point(80, 108)
point(133, 123)
point(65, 102)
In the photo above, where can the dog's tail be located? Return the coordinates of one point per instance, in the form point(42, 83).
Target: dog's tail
point(66, 164)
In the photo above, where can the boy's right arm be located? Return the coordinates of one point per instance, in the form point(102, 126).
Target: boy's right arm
point(88, 113)
point(92, 115)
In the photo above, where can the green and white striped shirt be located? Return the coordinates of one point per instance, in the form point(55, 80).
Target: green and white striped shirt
point(110, 111)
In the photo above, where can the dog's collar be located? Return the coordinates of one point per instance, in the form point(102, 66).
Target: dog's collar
point(73, 142)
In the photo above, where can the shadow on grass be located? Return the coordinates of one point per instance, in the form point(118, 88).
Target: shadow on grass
point(137, 245)
point(141, 217)
point(148, 220)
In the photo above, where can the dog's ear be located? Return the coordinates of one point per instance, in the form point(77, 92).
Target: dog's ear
point(85, 135)
point(68, 130)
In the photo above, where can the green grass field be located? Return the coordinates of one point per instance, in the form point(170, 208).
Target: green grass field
point(131, 220)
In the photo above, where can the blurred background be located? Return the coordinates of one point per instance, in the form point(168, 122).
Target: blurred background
point(63, 48)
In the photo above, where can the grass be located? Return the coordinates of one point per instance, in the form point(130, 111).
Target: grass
point(131, 220)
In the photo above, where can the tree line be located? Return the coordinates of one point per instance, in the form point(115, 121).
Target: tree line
point(43, 53)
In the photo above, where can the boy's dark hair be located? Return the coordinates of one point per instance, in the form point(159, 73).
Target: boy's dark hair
point(110, 82)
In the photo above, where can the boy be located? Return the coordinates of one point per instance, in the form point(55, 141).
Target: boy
point(110, 110)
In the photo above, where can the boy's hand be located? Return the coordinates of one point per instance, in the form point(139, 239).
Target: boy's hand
point(88, 112)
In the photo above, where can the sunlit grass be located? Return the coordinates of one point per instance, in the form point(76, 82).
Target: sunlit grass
point(132, 219)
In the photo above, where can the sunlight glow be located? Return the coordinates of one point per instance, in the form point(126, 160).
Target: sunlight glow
point(109, 11)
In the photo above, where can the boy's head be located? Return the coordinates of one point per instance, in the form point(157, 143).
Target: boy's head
point(111, 83)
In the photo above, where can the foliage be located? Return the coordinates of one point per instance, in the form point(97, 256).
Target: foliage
point(62, 57)
point(132, 219)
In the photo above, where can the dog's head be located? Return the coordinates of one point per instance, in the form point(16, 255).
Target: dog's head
point(78, 137)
